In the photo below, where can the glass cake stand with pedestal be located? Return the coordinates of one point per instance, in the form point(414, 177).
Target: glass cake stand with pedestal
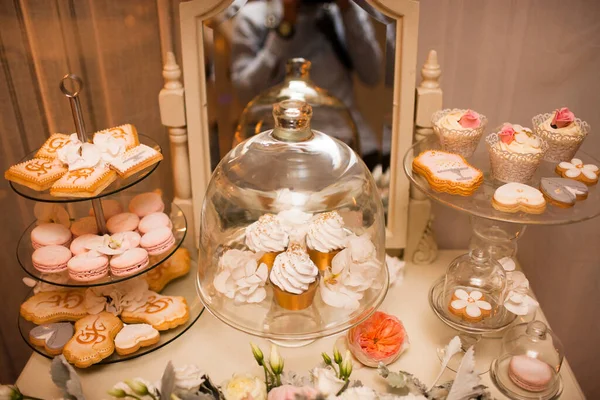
point(494, 232)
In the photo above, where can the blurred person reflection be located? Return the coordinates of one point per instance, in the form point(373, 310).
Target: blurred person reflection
point(335, 35)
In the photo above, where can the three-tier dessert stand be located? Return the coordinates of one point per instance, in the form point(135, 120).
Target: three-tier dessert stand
point(79, 207)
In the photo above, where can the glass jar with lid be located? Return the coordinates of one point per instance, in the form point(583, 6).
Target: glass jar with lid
point(330, 114)
point(529, 365)
point(292, 234)
point(474, 290)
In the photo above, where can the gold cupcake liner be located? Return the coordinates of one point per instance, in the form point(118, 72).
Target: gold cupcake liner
point(322, 260)
point(269, 259)
point(295, 302)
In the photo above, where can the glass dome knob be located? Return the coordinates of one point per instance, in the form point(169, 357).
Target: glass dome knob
point(537, 329)
point(297, 68)
point(292, 120)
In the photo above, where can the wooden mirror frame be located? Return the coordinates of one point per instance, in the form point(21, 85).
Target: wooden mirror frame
point(406, 14)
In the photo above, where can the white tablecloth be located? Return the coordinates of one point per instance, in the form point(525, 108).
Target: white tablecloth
point(221, 350)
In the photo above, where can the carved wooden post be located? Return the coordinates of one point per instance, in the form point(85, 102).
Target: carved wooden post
point(172, 115)
point(421, 247)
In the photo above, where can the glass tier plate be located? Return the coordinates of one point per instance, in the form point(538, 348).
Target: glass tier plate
point(294, 328)
point(115, 187)
point(480, 203)
point(496, 324)
point(183, 286)
point(25, 250)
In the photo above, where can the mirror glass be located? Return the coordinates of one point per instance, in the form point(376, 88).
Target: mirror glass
point(338, 55)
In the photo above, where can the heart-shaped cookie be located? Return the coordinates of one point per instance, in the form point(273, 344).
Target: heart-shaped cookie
point(132, 337)
point(52, 337)
point(563, 192)
point(514, 197)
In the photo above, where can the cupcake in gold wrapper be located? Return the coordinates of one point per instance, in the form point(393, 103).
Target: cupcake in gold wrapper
point(325, 238)
point(294, 279)
point(267, 235)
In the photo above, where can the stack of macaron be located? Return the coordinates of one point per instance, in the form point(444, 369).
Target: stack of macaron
point(133, 236)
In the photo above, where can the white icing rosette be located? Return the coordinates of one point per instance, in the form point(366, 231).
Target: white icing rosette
point(353, 271)
point(240, 277)
point(326, 232)
point(295, 223)
point(267, 234)
point(294, 271)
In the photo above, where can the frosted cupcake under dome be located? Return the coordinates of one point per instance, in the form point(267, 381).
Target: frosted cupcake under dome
point(292, 234)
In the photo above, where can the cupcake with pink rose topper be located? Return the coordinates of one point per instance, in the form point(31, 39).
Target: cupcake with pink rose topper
point(459, 130)
point(563, 132)
point(515, 153)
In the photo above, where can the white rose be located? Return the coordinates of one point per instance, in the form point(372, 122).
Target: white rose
point(241, 386)
point(326, 382)
point(188, 378)
point(7, 392)
point(359, 393)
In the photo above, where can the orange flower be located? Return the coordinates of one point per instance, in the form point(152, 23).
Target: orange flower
point(380, 337)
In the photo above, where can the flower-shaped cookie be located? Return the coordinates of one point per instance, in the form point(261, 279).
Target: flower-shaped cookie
point(576, 169)
point(471, 306)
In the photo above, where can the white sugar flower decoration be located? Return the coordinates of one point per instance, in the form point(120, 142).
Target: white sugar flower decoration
point(110, 147)
point(353, 271)
point(472, 302)
point(518, 300)
point(240, 277)
point(110, 245)
point(576, 167)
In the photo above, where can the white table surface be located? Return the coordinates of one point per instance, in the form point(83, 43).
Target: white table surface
point(220, 350)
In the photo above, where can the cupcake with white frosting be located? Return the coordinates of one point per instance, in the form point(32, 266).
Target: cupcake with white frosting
point(267, 236)
point(459, 130)
point(562, 131)
point(294, 278)
point(325, 238)
point(515, 153)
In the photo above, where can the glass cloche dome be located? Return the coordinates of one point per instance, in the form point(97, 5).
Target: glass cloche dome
point(330, 115)
point(292, 234)
point(474, 290)
point(529, 365)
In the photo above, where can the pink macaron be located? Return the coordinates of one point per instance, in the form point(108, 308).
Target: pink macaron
point(51, 259)
point(109, 208)
point(154, 221)
point(50, 234)
point(84, 226)
point(80, 244)
point(146, 203)
point(122, 223)
point(158, 241)
point(88, 266)
point(130, 262)
point(529, 373)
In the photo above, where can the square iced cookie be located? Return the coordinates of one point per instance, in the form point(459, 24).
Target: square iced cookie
point(135, 160)
point(38, 173)
point(127, 133)
point(83, 182)
point(54, 143)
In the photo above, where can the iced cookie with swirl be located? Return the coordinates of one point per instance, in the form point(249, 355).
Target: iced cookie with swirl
point(514, 197)
point(83, 182)
point(562, 192)
point(37, 174)
point(470, 306)
point(448, 172)
point(162, 312)
point(126, 134)
point(54, 306)
point(135, 160)
point(54, 143)
point(94, 339)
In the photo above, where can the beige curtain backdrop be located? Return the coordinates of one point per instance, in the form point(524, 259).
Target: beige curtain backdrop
point(507, 59)
point(511, 60)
